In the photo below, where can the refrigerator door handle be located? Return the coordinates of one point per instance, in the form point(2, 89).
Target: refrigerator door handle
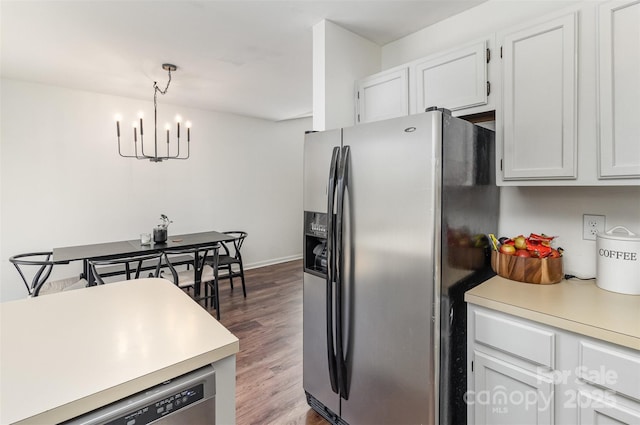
point(343, 183)
point(331, 263)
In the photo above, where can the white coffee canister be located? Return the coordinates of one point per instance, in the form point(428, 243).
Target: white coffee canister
point(618, 261)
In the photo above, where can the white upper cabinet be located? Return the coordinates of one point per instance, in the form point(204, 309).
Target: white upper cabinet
point(570, 96)
point(539, 109)
point(454, 80)
point(382, 96)
point(619, 89)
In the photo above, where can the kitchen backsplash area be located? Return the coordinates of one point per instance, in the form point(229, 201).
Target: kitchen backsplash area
point(558, 211)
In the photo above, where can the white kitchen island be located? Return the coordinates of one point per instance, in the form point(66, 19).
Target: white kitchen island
point(66, 354)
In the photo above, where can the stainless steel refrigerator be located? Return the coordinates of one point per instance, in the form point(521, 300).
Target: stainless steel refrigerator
point(395, 214)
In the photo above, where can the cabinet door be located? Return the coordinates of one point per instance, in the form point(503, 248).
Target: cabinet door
point(619, 78)
point(539, 101)
point(383, 96)
point(455, 80)
point(507, 394)
point(597, 407)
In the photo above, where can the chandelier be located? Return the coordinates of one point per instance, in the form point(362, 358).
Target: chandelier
point(139, 151)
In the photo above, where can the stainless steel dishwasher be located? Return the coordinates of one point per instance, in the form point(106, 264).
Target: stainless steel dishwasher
point(187, 399)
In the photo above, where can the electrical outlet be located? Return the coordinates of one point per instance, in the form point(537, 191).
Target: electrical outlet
point(592, 225)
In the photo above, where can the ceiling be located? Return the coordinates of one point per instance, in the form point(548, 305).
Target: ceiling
point(251, 58)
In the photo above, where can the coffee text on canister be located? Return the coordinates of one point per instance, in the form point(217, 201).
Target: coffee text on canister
point(619, 255)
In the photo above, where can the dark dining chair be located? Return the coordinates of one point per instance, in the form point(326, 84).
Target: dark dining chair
point(133, 266)
point(35, 269)
point(230, 260)
point(199, 274)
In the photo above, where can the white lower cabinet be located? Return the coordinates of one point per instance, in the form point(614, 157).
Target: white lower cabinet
point(523, 372)
point(507, 394)
point(600, 409)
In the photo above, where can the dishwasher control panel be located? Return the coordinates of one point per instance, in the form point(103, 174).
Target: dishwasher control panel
point(153, 411)
point(189, 398)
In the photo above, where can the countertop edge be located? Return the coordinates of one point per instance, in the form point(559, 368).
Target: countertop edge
point(87, 404)
point(558, 322)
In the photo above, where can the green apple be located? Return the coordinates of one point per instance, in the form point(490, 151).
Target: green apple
point(520, 242)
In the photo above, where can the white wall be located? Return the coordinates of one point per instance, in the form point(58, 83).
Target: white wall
point(558, 211)
point(63, 183)
point(340, 57)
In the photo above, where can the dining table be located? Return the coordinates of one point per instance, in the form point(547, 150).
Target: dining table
point(133, 247)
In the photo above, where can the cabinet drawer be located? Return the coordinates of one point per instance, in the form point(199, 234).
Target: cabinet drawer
point(610, 368)
point(514, 337)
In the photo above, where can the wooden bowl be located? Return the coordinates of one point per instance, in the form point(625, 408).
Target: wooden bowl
point(530, 270)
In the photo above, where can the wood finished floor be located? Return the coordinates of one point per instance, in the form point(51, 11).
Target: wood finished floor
point(268, 324)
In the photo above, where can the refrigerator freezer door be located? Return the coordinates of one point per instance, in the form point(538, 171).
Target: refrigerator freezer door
point(315, 366)
point(317, 157)
point(318, 149)
point(391, 225)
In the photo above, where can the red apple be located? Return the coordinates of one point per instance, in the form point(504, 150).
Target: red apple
point(507, 249)
point(522, 253)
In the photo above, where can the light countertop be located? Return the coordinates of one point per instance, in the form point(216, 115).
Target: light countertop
point(68, 353)
point(576, 306)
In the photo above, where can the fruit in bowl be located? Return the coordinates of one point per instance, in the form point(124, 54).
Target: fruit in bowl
point(537, 246)
point(508, 249)
point(529, 259)
point(520, 242)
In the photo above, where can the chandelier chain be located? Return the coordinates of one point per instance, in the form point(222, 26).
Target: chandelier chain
point(157, 89)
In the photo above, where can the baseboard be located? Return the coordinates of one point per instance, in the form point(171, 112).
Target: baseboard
point(272, 261)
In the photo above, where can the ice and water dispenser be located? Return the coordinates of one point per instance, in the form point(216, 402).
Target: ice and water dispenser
point(315, 243)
